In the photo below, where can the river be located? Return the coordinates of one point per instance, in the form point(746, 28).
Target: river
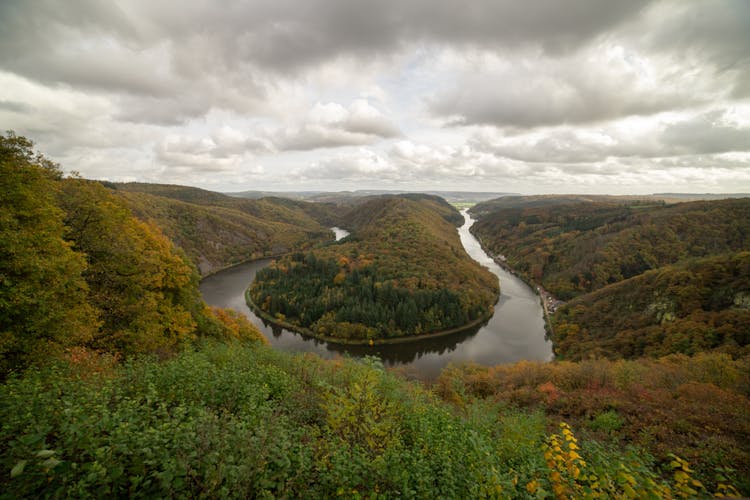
point(515, 332)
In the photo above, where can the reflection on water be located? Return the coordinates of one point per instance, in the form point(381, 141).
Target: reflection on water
point(515, 332)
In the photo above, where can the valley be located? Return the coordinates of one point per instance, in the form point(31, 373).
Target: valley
point(125, 373)
point(514, 332)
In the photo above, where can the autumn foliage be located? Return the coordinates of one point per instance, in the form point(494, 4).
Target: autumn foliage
point(78, 269)
point(402, 272)
point(641, 278)
point(692, 407)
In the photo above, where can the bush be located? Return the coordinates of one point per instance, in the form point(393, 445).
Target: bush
point(243, 420)
point(609, 422)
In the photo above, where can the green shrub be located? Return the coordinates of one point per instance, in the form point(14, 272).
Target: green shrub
point(609, 421)
point(245, 421)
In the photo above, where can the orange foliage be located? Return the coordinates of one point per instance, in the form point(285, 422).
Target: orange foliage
point(237, 325)
point(85, 363)
point(550, 392)
point(695, 407)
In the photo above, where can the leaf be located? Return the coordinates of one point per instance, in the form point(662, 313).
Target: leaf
point(17, 470)
point(50, 463)
point(45, 453)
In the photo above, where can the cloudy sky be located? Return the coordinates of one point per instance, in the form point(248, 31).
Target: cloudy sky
point(533, 96)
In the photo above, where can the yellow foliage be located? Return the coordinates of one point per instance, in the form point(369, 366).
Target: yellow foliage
point(237, 325)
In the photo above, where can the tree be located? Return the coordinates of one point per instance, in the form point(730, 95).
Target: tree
point(42, 292)
point(146, 292)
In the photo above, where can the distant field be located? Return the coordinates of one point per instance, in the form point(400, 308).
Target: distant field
point(460, 205)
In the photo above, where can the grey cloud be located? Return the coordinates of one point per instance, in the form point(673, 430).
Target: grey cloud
point(523, 94)
point(366, 165)
point(223, 150)
point(706, 134)
point(115, 71)
point(287, 34)
point(15, 107)
point(716, 32)
point(38, 33)
point(412, 164)
point(298, 34)
point(152, 50)
point(332, 125)
point(194, 100)
point(315, 137)
point(188, 67)
point(564, 146)
point(168, 111)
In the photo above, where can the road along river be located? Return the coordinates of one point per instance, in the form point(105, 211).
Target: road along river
point(515, 331)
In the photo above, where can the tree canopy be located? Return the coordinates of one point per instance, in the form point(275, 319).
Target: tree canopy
point(402, 272)
point(77, 268)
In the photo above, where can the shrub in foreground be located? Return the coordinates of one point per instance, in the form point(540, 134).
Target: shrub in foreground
point(246, 421)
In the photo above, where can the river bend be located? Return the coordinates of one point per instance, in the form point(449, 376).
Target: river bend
point(515, 332)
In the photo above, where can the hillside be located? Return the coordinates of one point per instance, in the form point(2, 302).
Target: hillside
point(549, 200)
point(575, 249)
point(402, 272)
point(345, 197)
point(217, 231)
point(360, 212)
point(695, 306)
point(117, 380)
point(79, 271)
point(270, 207)
point(649, 409)
point(644, 279)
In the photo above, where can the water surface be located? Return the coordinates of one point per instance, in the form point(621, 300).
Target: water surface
point(515, 331)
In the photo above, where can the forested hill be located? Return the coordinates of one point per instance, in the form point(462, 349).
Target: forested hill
point(549, 200)
point(402, 272)
point(645, 279)
point(695, 306)
point(363, 211)
point(578, 248)
point(79, 271)
point(217, 231)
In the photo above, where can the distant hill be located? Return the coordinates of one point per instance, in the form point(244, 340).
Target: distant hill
point(350, 196)
point(216, 230)
point(183, 193)
point(254, 195)
point(702, 196)
point(402, 272)
point(548, 200)
point(270, 207)
point(573, 249)
point(358, 211)
point(597, 253)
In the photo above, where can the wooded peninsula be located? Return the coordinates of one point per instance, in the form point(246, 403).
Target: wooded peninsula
point(401, 273)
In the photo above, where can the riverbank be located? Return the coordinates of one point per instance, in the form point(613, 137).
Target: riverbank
point(548, 301)
point(337, 235)
point(246, 261)
point(373, 342)
point(515, 332)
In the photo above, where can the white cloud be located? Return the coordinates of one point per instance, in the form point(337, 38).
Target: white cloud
point(495, 95)
point(603, 82)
